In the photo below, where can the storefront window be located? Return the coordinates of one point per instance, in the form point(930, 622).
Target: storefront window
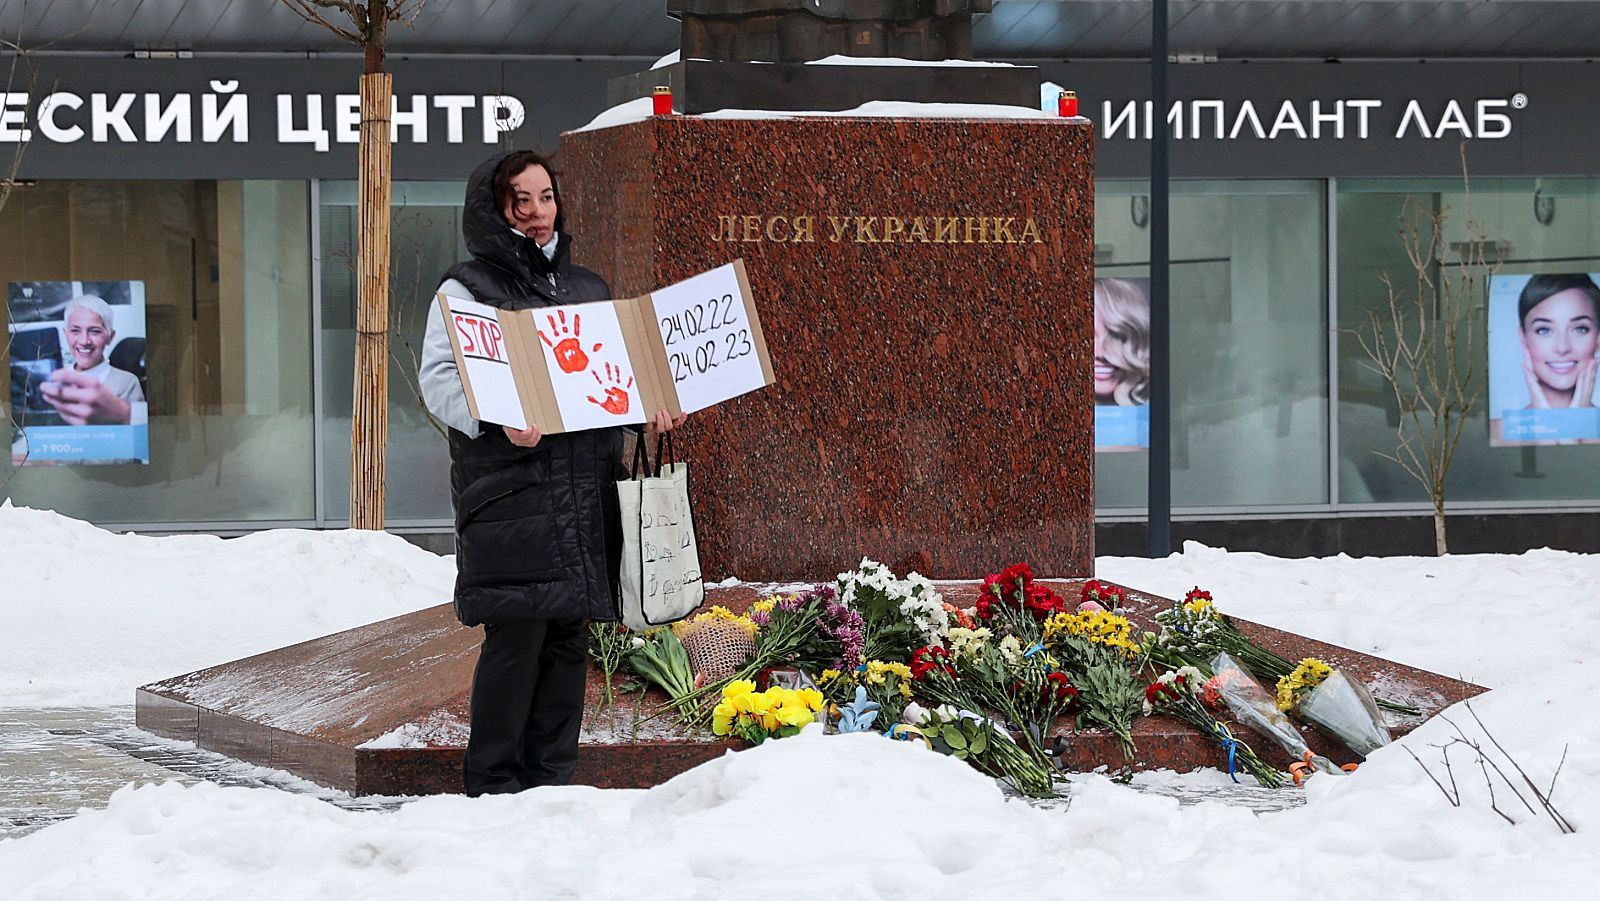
point(209, 283)
point(426, 241)
point(1549, 226)
point(1249, 347)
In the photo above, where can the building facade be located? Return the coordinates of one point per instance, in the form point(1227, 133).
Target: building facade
point(219, 181)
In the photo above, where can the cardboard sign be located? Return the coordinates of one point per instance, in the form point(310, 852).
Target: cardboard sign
point(711, 337)
point(684, 348)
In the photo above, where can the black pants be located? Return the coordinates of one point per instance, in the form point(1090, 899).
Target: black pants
point(527, 705)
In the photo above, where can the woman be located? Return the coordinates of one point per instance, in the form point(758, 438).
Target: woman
point(538, 535)
point(91, 391)
point(1121, 343)
point(1560, 320)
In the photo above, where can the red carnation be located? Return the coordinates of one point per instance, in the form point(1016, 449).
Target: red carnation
point(1197, 594)
point(925, 660)
point(1108, 596)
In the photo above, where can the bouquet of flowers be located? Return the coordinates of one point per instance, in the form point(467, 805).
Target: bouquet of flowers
point(986, 745)
point(1194, 631)
point(659, 657)
point(1174, 693)
point(896, 615)
point(1110, 692)
point(609, 644)
point(1232, 686)
point(886, 684)
point(757, 716)
point(1011, 602)
point(1327, 697)
point(718, 642)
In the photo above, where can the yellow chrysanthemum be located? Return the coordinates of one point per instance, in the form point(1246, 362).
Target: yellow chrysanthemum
point(1309, 674)
point(828, 675)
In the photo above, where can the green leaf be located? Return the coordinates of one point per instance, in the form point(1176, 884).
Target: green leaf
point(955, 739)
point(980, 742)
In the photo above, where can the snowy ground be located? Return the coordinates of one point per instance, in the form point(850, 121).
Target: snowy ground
point(88, 615)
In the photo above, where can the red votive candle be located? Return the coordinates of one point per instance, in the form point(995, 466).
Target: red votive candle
point(1067, 104)
point(661, 101)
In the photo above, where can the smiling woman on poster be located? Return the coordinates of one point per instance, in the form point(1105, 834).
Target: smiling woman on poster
point(1558, 342)
point(1121, 364)
point(1560, 317)
point(92, 391)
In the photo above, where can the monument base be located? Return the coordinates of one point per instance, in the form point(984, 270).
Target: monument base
point(703, 86)
point(382, 709)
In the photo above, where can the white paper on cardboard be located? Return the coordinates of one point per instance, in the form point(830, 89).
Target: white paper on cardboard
point(590, 370)
point(475, 330)
point(711, 349)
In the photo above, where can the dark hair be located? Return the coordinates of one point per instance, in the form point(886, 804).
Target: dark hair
point(511, 167)
point(1541, 287)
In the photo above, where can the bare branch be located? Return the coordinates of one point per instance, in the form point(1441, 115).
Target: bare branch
point(1455, 800)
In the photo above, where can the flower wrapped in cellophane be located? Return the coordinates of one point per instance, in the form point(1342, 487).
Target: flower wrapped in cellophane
point(1232, 686)
point(757, 716)
point(1326, 696)
point(1194, 630)
point(1173, 693)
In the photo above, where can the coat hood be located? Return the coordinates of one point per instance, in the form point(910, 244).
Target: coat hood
point(490, 237)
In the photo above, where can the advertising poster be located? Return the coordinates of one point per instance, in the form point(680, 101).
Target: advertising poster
point(1543, 357)
point(77, 358)
point(1121, 364)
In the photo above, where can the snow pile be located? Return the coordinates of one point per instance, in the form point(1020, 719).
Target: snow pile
point(89, 615)
point(853, 816)
point(1486, 618)
point(812, 816)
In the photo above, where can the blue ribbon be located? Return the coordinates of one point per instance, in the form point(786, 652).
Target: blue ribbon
point(1037, 647)
point(1232, 745)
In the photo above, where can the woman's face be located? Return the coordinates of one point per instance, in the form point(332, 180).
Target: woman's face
point(1106, 376)
point(532, 206)
point(87, 337)
point(1560, 335)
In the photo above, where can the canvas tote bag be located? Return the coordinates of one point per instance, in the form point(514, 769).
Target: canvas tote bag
point(660, 580)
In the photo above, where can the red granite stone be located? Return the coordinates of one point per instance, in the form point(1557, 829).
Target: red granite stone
point(933, 402)
point(310, 708)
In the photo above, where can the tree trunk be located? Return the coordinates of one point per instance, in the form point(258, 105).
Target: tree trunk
point(1439, 546)
point(369, 420)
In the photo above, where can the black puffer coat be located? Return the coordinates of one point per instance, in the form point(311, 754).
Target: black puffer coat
point(538, 533)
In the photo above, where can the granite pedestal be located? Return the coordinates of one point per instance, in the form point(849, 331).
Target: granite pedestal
point(925, 290)
point(382, 709)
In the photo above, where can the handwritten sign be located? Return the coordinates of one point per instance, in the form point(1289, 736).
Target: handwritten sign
point(484, 361)
point(711, 338)
point(684, 348)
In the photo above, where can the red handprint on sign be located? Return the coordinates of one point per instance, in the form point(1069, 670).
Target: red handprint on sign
point(616, 399)
point(569, 353)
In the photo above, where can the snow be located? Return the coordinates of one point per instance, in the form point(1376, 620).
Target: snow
point(90, 615)
point(839, 59)
point(639, 109)
point(813, 816)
